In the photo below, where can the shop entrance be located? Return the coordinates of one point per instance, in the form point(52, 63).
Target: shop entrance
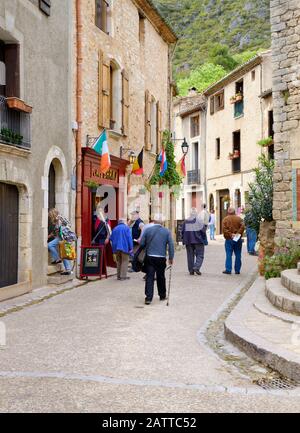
point(9, 234)
point(224, 203)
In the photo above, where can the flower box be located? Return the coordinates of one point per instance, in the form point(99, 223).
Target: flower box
point(18, 105)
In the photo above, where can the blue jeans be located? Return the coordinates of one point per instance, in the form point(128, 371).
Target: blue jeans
point(212, 229)
point(52, 247)
point(236, 248)
point(251, 240)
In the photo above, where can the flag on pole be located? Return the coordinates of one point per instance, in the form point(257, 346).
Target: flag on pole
point(163, 162)
point(180, 167)
point(100, 146)
point(138, 164)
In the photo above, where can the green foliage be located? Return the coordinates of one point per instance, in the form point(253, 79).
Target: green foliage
point(245, 56)
point(265, 142)
point(260, 200)
point(10, 136)
point(171, 176)
point(286, 256)
point(240, 25)
point(219, 55)
point(201, 78)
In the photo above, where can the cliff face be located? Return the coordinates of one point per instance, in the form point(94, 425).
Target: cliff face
point(239, 24)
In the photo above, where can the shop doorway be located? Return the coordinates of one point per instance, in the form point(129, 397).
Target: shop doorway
point(9, 234)
point(224, 203)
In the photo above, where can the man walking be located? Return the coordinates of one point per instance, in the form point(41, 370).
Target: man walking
point(233, 229)
point(193, 237)
point(157, 240)
point(122, 246)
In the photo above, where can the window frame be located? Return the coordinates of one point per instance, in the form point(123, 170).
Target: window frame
point(194, 134)
point(102, 16)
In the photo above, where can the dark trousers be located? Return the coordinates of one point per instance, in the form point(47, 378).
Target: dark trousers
point(236, 248)
point(195, 256)
point(155, 265)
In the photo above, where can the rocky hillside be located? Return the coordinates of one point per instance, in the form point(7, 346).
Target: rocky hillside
point(241, 25)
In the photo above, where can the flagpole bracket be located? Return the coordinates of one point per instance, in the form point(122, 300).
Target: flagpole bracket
point(90, 140)
point(131, 153)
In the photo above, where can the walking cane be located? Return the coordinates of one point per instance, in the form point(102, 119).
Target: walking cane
point(169, 288)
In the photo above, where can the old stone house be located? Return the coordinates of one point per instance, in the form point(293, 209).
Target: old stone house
point(189, 123)
point(122, 83)
point(285, 22)
point(35, 137)
point(239, 114)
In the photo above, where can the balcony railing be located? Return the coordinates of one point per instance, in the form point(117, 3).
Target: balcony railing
point(193, 177)
point(15, 126)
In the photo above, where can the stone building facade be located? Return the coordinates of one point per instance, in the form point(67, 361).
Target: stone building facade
point(36, 136)
point(126, 88)
point(285, 22)
point(239, 114)
point(189, 123)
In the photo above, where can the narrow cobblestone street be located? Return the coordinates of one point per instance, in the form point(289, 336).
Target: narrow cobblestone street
point(99, 348)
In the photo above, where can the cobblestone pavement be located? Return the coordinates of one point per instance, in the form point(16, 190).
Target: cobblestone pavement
point(99, 348)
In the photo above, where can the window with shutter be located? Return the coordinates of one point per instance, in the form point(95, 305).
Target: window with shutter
point(104, 92)
point(101, 15)
point(148, 120)
point(159, 127)
point(212, 105)
point(125, 103)
point(12, 66)
point(219, 101)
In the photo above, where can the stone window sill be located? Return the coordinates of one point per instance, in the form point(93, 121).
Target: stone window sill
point(13, 150)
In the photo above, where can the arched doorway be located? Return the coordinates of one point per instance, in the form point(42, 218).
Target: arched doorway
point(211, 203)
point(9, 234)
point(51, 187)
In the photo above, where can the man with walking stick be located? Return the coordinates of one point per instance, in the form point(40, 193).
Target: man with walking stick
point(157, 241)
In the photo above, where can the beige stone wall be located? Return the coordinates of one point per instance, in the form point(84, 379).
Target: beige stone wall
point(45, 83)
point(146, 65)
point(285, 21)
point(253, 126)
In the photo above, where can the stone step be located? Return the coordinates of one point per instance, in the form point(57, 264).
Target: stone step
point(53, 269)
point(291, 280)
point(269, 340)
point(58, 279)
point(281, 297)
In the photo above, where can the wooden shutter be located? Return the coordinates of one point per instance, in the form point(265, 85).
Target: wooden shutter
point(12, 63)
point(222, 100)
point(125, 103)
point(104, 92)
point(212, 105)
point(148, 120)
point(158, 126)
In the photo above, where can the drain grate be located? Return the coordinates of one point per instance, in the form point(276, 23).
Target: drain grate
point(276, 383)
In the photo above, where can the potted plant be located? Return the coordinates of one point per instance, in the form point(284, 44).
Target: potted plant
point(5, 134)
point(91, 184)
point(266, 142)
point(232, 100)
point(238, 97)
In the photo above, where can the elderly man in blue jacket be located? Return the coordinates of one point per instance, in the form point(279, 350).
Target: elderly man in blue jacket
point(122, 246)
point(193, 237)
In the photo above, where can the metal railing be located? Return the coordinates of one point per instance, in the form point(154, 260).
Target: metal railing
point(193, 177)
point(17, 122)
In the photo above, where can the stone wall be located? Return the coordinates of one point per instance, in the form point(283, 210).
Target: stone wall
point(285, 22)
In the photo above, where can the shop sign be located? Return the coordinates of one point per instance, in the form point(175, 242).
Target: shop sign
point(111, 174)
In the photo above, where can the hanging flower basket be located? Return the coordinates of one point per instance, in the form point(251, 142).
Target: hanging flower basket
point(266, 142)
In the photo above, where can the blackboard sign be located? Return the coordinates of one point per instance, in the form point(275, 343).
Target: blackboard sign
point(179, 230)
point(93, 261)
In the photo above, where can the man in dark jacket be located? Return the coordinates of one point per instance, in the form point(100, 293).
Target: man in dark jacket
point(193, 236)
point(157, 240)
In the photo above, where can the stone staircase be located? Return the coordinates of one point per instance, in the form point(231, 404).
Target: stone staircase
point(266, 323)
point(54, 277)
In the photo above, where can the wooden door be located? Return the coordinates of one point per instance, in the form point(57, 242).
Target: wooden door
point(9, 234)
point(224, 205)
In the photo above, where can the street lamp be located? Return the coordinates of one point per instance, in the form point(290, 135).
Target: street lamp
point(184, 147)
point(131, 154)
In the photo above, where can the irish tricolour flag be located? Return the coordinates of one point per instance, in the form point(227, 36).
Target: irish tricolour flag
point(100, 146)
